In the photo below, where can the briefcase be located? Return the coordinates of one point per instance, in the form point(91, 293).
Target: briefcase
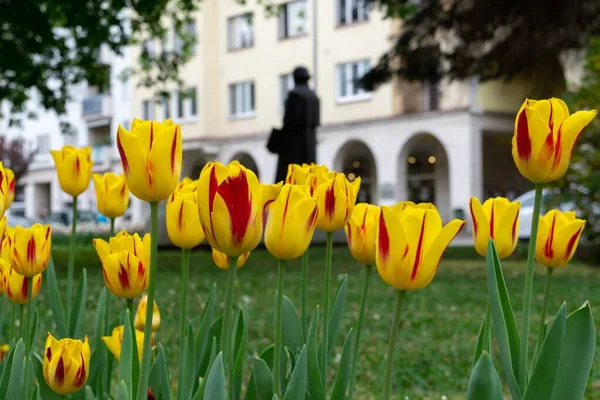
point(274, 143)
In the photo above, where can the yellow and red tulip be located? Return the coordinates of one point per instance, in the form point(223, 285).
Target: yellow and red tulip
point(4, 348)
point(410, 246)
point(114, 342)
point(125, 263)
point(140, 315)
point(12, 186)
point(4, 191)
point(183, 220)
point(297, 174)
point(112, 194)
point(151, 157)
point(291, 223)
point(31, 249)
point(361, 230)
point(498, 219)
point(230, 202)
point(66, 364)
point(74, 168)
point(544, 138)
point(15, 285)
point(336, 198)
point(221, 260)
point(558, 237)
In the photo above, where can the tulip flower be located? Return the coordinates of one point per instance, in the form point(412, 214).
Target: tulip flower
point(2, 227)
point(544, 138)
point(125, 262)
point(291, 223)
point(15, 285)
point(4, 190)
point(409, 248)
point(31, 249)
point(360, 232)
point(558, 236)
point(140, 315)
point(183, 221)
point(297, 174)
point(74, 168)
point(151, 156)
point(4, 348)
point(115, 341)
point(269, 194)
point(66, 364)
point(336, 197)
point(231, 205)
point(496, 219)
point(12, 186)
point(221, 260)
point(112, 194)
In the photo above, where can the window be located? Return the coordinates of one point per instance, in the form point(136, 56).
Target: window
point(180, 98)
point(193, 102)
point(166, 107)
point(348, 88)
point(241, 99)
point(351, 11)
point(292, 19)
point(286, 83)
point(43, 144)
point(190, 32)
point(240, 33)
point(148, 109)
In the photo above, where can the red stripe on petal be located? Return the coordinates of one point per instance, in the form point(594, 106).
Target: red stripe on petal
point(514, 227)
point(49, 354)
point(31, 251)
point(330, 201)
point(492, 221)
point(24, 291)
point(285, 210)
point(77, 167)
point(123, 156)
point(141, 269)
point(383, 244)
point(59, 374)
point(473, 218)
point(151, 134)
point(419, 252)
point(173, 149)
point(235, 192)
point(548, 251)
point(571, 243)
point(522, 136)
point(123, 277)
point(312, 221)
point(180, 218)
point(80, 375)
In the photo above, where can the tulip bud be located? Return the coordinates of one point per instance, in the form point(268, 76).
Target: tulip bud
point(361, 231)
point(336, 198)
point(410, 247)
point(15, 285)
point(140, 315)
point(115, 341)
point(291, 223)
point(4, 348)
point(231, 206)
point(151, 156)
point(30, 253)
point(125, 263)
point(544, 138)
point(183, 221)
point(497, 219)
point(74, 168)
point(222, 260)
point(66, 364)
point(11, 184)
point(558, 236)
point(112, 194)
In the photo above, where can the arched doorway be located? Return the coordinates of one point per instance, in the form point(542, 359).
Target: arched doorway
point(247, 161)
point(355, 159)
point(423, 173)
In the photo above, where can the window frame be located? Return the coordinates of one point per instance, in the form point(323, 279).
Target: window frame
point(237, 97)
point(345, 14)
point(232, 28)
point(283, 19)
point(349, 93)
point(149, 113)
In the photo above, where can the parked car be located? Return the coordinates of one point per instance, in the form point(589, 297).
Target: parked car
point(87, 221)
point(550, 199)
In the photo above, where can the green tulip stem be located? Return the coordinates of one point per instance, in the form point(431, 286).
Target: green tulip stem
point(11, 326)
point(112, 227)
point(142, 393)
point(130, 307)
point(27, 384)
point(303, 289)
point(387, 380)
point(523, 354)
point(21, 324)
point(71, 264)
point(361, 314)
point(486, 332)
point(544, 304)
point(325, 341)
point(185, 277)
point(226, 342)
point(279, 330)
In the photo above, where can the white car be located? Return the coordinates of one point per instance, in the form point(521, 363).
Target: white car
point(550, 199)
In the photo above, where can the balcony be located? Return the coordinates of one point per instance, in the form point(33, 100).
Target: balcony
point(97, 110)
point(101, 155)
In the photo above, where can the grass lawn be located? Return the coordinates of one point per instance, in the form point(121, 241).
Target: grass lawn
point(439, 324)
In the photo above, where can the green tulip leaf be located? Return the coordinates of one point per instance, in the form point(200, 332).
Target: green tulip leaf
point(215, 381)
point(129, 368)
point(122, 392)
point(55, 301)
point(35, 324)
point(297, 385)
point(159, 375)
point(240, 346)
point(484, 382)
point(577, 357)
point(16, 380)
point(541, 383)
point(202, 339)
point(292, 334)
point(267, 356)
point(76, 319)
point(211, 360)
point(483, 340)
point(503, 319)
point(343, 374)
point(186, 378)
point(263, 379)
point(314, 381)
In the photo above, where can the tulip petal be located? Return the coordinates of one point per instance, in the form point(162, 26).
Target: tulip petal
point(165, 161)
point(506, 233)
point(421, 227)
point(481, 227)
point(392, 248)
point(567, 239)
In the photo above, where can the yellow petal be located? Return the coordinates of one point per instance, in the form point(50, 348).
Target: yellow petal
point(506, 232)
point(392, 248)
point(481, 227)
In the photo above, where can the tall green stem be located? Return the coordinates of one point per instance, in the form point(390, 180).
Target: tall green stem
point(303, 289)
point(142, 392)
point(325, 341)
point(71, 263)
point(130, 307)
point(544, 304)
point(21, 323)
point(185, 272)
point(226, 342)
point(27, 384)
point(13, 315)
point(112, 227)
point(523, 354)
point(486, 333)
point(279, 330)
point(361, 314)
point(387, 380)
